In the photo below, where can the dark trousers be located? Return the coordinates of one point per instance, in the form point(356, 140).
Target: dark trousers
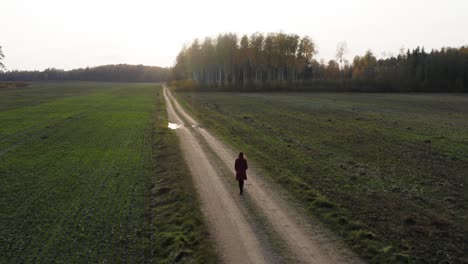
point(241, 186)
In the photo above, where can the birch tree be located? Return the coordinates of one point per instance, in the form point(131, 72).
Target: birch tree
point(2, 66)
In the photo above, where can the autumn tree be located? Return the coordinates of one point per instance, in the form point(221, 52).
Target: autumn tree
point(208, 60)
point(256, 56)
point(243, 57)
point(305, 53)
point(341, 50)
point(180, 70)
point(332, 70)
point(364, 67)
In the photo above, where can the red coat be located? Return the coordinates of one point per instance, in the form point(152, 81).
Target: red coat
point(241, 167)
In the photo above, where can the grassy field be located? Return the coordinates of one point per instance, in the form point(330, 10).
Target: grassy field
point(386, 172)
point(89, 173)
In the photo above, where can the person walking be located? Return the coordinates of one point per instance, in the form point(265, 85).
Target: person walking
point(241, 168)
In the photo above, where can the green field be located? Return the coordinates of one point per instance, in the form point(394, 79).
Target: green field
point(386, 172)
point(89, 173)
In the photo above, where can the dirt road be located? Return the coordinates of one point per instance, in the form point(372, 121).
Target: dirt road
point(236, 238)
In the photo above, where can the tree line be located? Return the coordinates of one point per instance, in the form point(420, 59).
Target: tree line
point(228, 60)
point(110, 73)
point(287, 62)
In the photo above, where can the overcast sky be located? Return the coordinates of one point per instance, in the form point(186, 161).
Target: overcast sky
point(69, 34)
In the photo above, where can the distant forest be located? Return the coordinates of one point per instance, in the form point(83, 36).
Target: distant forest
point(108, 73)
point(279, 61)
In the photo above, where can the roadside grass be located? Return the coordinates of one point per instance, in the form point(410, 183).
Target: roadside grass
point(88, 174)
point(179, 232)
point(387, 173)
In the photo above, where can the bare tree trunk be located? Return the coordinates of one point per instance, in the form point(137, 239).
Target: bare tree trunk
point(245, 77)
point(261, 78)
point(220, 77)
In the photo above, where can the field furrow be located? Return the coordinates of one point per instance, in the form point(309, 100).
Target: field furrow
point(77, 171)
point(387, 172)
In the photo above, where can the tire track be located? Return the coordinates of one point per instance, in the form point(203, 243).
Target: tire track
point(235, 237)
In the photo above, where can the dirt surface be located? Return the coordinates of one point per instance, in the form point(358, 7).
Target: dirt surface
point(235, 237)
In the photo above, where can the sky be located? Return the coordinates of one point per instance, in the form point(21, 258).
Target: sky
point(68, 34)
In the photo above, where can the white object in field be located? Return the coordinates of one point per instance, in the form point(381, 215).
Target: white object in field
point(174, 126)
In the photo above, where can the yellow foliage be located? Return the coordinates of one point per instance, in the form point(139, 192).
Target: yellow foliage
point(185, 84)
